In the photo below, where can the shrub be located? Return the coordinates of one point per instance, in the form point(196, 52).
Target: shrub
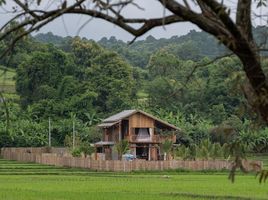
point(182, 152)
point(217, 151)
point(122, 147)
point(68, 141)
point(86, 149)
point(76, 152)
point(205, 150)
point(166, 147)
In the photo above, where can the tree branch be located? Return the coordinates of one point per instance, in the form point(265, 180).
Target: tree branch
point(243, 18)
point(37, 22)
point(205, 23)
point(123, 22)
point(220, 11)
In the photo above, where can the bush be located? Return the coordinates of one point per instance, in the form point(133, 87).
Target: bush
point(217, 151)
point(6, 140)
point(86, 149)
point(205, 150)
point(181, 152)
point(122, 147)
point(76, 152)
point(68, 141)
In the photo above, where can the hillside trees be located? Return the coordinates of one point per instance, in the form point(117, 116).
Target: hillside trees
point(112, 78)
point(211, 16)
point(207, 91)
point(38, 77)
point(98, 82)
point(192, 46)
point(84, 80)
point(163, 64)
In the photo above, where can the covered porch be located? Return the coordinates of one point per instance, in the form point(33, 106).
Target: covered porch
point(103, 150)
point(145, 151)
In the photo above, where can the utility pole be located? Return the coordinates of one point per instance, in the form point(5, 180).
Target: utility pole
point(49, 132)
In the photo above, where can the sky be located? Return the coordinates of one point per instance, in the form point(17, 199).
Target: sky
point(97, 28)
point(69, 25)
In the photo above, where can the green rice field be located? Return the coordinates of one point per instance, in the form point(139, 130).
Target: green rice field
point(29, 181)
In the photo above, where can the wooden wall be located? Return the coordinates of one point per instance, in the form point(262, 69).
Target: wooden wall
point(111, 134)
point(153, 153)
point(140, 120)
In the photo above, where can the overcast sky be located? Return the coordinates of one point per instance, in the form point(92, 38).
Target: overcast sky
point(69, 25)
point(97, 29)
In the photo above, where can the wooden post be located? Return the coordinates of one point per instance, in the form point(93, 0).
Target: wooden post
point(129, 131)
point(149, 156)
point(120, 131)
point(95, 153)
point(104, 136)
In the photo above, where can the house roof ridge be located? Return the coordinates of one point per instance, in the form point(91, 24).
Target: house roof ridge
point(126, 113)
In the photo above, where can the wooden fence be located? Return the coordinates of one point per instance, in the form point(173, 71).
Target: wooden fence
point(54, 156)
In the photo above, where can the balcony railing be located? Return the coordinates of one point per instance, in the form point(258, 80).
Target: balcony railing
point(150, 139)
point(142, 139)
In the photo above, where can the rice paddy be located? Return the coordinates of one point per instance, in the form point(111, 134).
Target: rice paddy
point(29, 181)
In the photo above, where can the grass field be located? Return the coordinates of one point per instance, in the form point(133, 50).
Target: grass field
point(21, 181)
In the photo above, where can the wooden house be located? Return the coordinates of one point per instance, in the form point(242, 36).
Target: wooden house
point(144, 132)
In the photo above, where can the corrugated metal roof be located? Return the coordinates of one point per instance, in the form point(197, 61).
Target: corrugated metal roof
point(159, 120)
point(107, 124)
point(126, 113)
point(101, 143)
point(120, 116)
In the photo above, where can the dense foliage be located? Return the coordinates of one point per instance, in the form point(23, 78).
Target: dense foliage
point(76, 82)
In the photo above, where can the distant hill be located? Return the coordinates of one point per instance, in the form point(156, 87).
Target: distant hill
point(51, 38)
point(193, 46)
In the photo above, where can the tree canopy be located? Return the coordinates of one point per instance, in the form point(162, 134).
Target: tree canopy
point(212, 16)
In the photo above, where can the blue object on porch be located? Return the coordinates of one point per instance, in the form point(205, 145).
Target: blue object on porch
point(128, 157)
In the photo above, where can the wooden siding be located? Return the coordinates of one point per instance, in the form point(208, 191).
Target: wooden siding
point(111, 134)
point(140, 120)
point(153, 153)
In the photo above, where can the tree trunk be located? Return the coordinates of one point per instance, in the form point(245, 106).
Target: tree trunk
point(257, 79)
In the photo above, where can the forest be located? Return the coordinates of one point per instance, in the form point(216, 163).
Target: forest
point(183, 80)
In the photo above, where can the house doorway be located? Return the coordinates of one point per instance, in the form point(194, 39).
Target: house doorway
point(142, 151)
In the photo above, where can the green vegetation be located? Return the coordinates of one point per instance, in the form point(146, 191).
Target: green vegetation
point(7, 80)
point(192, 46)
point(33, 181)
point(63, 77)
point(75, 82)
point(262, 157)
point(122, 147)
point(86, 80)
point(167, 147)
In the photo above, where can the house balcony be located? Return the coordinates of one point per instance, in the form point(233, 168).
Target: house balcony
point(150, 139)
